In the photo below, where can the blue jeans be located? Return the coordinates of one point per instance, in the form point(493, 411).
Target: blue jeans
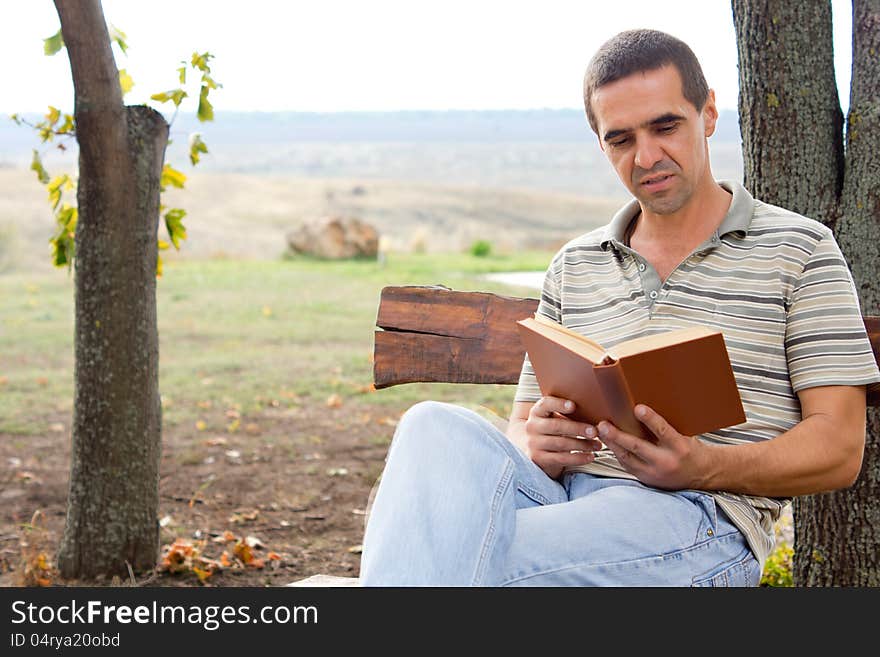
point(459, 505)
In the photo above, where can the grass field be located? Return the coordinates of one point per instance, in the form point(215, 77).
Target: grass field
point(239, 333)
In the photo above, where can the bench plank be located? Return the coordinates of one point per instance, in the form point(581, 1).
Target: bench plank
point(437, 335)
point(432, 334)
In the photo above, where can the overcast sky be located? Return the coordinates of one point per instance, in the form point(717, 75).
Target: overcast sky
point(345, 55)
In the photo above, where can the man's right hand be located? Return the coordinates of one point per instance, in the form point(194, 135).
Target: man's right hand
point(549, 438)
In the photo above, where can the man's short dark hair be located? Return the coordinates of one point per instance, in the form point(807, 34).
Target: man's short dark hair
point(637, 51)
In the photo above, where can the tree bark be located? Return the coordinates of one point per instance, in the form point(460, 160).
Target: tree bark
point(112, 514)
point(790, 117)
point(794, 156)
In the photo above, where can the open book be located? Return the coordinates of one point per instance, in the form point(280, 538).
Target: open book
point(683, 374)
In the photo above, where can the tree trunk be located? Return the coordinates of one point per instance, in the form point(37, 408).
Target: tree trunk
point(855, 513)
point(793, 152)
point(112, 514)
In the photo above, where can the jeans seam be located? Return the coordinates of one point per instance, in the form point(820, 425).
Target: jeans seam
point(663, 557)
point(486, 550)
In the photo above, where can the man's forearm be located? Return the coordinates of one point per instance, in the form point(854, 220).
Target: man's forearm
point(813, 456)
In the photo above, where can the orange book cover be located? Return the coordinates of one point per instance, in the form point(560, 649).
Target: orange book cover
point(684, 374)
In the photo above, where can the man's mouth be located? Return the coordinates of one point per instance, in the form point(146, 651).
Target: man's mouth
point(655, 181)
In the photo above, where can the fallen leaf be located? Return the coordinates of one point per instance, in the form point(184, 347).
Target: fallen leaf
point(200, 425)
point(165, 521)
point(334, 401)
point(252, 428)
point(241, 517)
point(356, 549)
point(56, 427)
point(337, 472)
point(214, 442)
point(254, 542)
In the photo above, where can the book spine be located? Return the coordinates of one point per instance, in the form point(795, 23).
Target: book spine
point(619, 399)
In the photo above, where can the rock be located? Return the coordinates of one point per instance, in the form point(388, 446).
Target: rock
point(336, 238)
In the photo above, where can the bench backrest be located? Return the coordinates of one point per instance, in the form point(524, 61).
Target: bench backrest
point(438, 335)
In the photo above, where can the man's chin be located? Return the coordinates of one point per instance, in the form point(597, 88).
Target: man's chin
point(661, 203)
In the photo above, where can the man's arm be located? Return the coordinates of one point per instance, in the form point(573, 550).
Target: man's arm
point(822, 452)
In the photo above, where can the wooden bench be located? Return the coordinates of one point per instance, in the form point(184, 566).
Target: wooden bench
point(437, 335)
point(431, 334)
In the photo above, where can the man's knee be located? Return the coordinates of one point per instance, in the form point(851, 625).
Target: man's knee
point(430, 425)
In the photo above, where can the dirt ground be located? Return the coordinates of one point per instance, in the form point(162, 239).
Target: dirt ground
point(293, 484)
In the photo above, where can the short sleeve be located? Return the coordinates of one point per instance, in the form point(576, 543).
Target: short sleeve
point(825, 338)
point(550, 305)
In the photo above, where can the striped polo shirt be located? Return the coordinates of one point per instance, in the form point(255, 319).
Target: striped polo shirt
point(774, 282)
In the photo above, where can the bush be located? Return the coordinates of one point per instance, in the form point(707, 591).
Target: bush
point(481, 248)
point(777, 569)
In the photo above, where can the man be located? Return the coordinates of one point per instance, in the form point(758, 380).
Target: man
point(556, 502)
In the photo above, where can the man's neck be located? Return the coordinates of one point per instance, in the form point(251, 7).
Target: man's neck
point(689, 226)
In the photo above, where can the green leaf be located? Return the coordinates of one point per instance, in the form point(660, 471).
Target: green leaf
point(181, 73)
point(208, 81)
point(206, 110)
point(125, 81)
point(53, 44)
point(63, 244)
point(174, 95)
point(171, 176)
point(67, 126)
point(196, 146)
point(53, 115)
point(201, 61)
point(158, 266)
point(54, 188)
point(37, 165)
point(67, 217)
point(173, 222)
point(118, 36)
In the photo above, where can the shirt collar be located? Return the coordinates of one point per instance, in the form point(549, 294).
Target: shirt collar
point(737, 220)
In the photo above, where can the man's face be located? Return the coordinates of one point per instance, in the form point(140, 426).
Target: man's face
point(654, 137)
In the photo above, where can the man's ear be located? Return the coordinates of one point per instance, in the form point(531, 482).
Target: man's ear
point(710, 113)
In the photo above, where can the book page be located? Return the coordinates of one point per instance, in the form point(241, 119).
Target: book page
point(650, 342)
point(573, 340)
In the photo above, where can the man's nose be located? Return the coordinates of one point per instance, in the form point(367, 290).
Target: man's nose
point(648, 153)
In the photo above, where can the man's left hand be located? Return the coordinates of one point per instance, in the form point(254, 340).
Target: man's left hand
point(674, 462)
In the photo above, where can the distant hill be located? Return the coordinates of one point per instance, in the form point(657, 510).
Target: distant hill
point(541, 149)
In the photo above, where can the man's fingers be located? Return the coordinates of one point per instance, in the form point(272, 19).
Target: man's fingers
point(567, 458)
point(625, 446)
point(568, 444)
point(547, 406)
point(654, 421)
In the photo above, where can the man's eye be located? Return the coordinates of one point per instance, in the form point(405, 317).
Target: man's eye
point(617, 143)
point(668, 128)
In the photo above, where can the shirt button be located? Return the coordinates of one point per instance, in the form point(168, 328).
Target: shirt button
point(642, 266)
point(709, 532)
point(653, 294)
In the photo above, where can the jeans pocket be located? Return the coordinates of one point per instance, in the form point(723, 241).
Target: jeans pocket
point(708, 526)
point(741, 571)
